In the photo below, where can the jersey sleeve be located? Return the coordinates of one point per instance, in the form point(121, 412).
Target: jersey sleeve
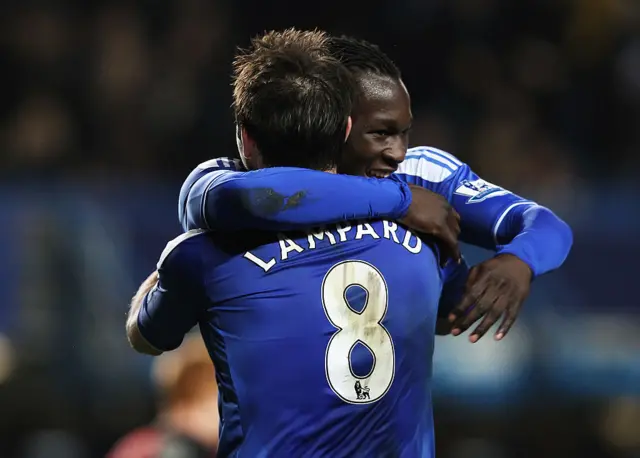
point(174, 306)
point(482, 205)
point(190, 215)
point(285, 198)
point(454, 278)
point(491, 216)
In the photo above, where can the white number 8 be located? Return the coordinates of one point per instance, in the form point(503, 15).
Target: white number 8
point(364, 327)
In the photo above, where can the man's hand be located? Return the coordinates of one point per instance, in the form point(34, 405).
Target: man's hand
point(497, 286)
point(431, 214)
point(136, 339)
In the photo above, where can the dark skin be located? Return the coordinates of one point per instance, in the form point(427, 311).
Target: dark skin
point(376, 146)
point(379, 136)
point(498, 287)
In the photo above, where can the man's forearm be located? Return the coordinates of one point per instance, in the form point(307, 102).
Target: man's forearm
point(289, 199)
point(136, 340)
point(542, 240)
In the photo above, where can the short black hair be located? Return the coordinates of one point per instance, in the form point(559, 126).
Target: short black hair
point(360, 56)
point(293, 98)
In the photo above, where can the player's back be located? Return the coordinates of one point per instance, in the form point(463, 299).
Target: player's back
point(322, 342)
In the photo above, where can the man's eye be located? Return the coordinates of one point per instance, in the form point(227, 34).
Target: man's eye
point(382, 133)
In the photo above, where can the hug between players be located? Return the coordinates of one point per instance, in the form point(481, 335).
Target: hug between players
point(373, 251)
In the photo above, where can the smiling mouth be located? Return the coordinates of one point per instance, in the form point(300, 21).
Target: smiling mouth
point(379, 173)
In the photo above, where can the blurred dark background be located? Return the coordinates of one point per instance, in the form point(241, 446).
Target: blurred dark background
point(107, 105)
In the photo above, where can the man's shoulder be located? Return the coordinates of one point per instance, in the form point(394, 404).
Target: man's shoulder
point(204, 173)
point(198, 247)
point(181, 248)
point(221, 163)
point(429, 163)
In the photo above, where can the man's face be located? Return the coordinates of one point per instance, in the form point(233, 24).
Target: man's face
point(381, 122)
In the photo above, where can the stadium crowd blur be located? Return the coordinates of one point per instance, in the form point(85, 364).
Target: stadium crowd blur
point(107, 105)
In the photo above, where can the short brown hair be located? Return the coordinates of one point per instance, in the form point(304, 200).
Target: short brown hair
point(293, 98)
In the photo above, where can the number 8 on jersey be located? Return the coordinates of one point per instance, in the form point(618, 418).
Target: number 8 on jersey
point(353, 327)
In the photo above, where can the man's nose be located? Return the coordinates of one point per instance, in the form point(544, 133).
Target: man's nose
point(396, 152)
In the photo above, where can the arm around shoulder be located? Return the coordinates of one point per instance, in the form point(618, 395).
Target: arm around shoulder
point(135, 337)
point(171, 301)
point(287, 198)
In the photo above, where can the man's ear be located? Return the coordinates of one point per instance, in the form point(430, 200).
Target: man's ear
point(349, 126)
point(248, 147)
point(239, 142)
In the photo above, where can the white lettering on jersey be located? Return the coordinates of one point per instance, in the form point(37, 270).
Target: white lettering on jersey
point(342, 230)
point(259, 262)
point(287, 246)
point(479, 190)
point(319, 235)
point(390, 229)
point(322, 238)
point(364, 327)
point(365, 229)
point(407, 243)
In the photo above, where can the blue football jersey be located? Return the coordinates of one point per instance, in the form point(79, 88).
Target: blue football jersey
point(489, 213)
point(322, 341)
point(219, 195)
